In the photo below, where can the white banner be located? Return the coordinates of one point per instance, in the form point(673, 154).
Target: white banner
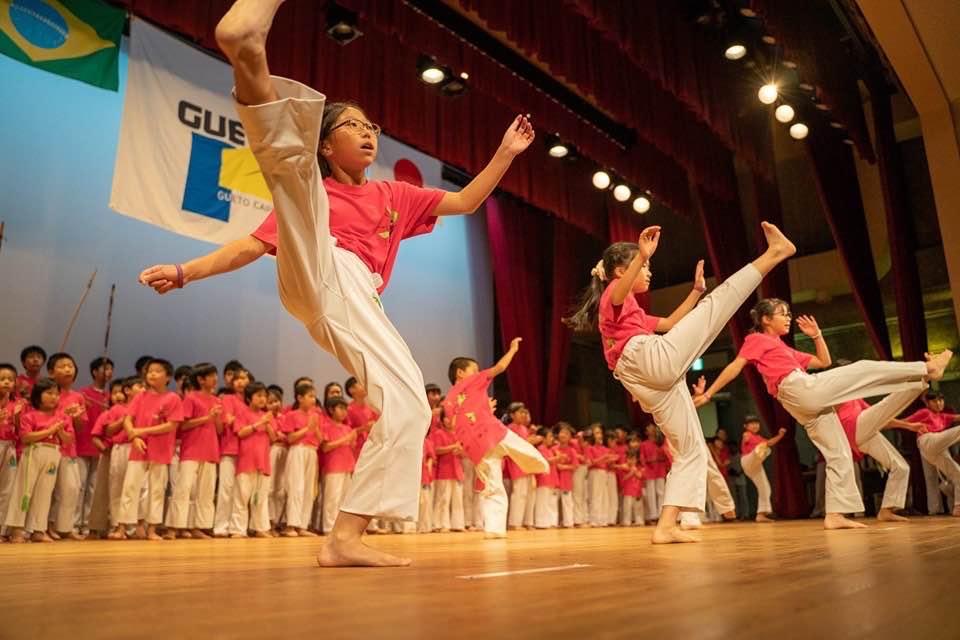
point(183, 162)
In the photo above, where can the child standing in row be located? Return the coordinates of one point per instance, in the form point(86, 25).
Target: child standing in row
point(448, 487)
point(96, 398)
point(631, 486)
point(32, 358)
point(546, 514)
point(64, 514)
point(599, 458)
point(233, 405)
point(754, 449)
point(11, 409)
point(567, 465)
point(278, 458)
point(301, 427)
point(99, 518)
point(255, 429)
point(339, 457)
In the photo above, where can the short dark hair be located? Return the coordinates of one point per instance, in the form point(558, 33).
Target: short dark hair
point(142, 361)
point(163, 363)
point(201, 370)
point(102, 361)
point(252, 389)
point(117, 383)
point(9, 367)
point(332, 403)
point(43, 384)
point(27, 351)
point(276, 390)
point(331, 385)
point(433, 387)
point(302, 389)
point(934, 395)
point(747, 419)
point(459, 363)
point(513, 407)
point(132, 380)
point(349, 384)
point(57, 357)
point(232, 367)
point(183, 371)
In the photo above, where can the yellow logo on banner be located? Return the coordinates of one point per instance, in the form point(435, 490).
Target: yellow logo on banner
point(239, 171)
point(46, 30)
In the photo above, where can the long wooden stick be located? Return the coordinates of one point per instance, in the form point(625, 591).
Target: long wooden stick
point(76, 311)
point(2, 225)
point(106, 339)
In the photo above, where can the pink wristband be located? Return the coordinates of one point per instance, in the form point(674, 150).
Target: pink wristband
point(179, 276)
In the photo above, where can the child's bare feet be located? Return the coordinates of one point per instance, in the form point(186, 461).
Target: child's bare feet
point(17, 537)
point(237, 536)
point(140, 533)
point(839, 521)
point(170, 534)
point(662, 535)
point(41, 536)
point(956, 511)
point(936, 365)
point(353, 553)
point(306, 533)
point(762, 517)
point(290, 532)
point(889, 515)
point(198, 534)
point(261, 534)
point(73, 535)
point(53, 535)
point(117, 534)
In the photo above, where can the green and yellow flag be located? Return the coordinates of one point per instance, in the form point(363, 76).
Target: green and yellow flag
point(79, 39)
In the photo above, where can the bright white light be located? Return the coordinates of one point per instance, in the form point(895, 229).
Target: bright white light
point(621, 193)
point(465, 75)
point(641, 205)
point(433, 75)
point(799, 131)
point(784, 113)
point(768, 93)
point(601, 179)
point(558, 150)
point(735, 52)
point(697, 365)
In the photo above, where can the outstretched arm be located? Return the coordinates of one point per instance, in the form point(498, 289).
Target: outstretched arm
point(507, 358)
point(726, 376)
point(699, 286)
point(517, 138)
point(230, 257)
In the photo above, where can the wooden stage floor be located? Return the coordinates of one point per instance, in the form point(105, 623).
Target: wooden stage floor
point(782, 580)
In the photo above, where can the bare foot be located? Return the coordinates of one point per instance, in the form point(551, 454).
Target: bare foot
point(53, 535)
point(185, 534)
point(243, 29)
point(237, 536)
point(18, 537)
point(140, 533)
point(729, 516)
point(670, 536)
point(956, 512)
point(306, 533)
point(261, 534)
point(937, 364)
point(73, 535)
point(888, 515)
point(153, 536)
point(762, 517)
point(169, 535)
point(197, 534)
point(41, 536)
point(691, 525)
point(494, 536)
point(353, 553)
point(117, 534)
point(839, 521)
point(290, 533)
point(777, 244)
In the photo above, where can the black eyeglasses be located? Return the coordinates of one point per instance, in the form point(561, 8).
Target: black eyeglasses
point(359, 126)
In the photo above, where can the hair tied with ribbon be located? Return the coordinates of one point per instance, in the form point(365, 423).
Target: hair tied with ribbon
point(599, 272)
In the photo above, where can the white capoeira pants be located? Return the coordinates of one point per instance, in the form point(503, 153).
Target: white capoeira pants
point(226, 483)
point(8, 474)
point(140, 473)
point(935, 449)
point(33, 487)
point(425, 518)
point(119, 459)
point(192, 505)
point(469, 495)
point(545, 512)
point(631, 511)
point(871, 442)
point(332, 292)
point(567, 509)
point(490, 470)
point(335, 487)
point(278, 486)
point(599, 509)
point(654, 368)
point(251, 493)
point(66, 496)
point(613, 498)
point(301, 479)
point(448, 505)
point(810, 399)
point(653, 491)
point(717, 489)
point(87, 466)
point(752, 466)
point(581, 509)
point(522, 501)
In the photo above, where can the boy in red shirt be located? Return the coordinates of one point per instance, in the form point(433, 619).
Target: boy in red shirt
point(935, 444)
point(486, 441)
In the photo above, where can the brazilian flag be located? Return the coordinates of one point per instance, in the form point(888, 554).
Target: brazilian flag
point(79, 39)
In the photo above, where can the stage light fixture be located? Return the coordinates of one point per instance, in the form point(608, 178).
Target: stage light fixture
point(621, 193)
point(799, 131)
point(641, 204)
point(601, 179)
point(784, 113)
point(768, 93)
point(342, 24)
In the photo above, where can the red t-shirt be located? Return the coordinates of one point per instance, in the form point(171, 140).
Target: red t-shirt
point(773, 358)
point(24, 386)
point(97, 401)
point(342, 459)
point(360, 416)
point(34, 420)
point(7, 428)
point(551, 478)
point(202, 443)
point(253, 453)
point(936, 422)
point(848, 412)
point(69, 399)
point(513, 470)
point(632, 486)
point(111, 415)
point(149, 409)
point(370, 220)
point(565, 476)
point(429, 453)
point(475, 426)
point(297, 420)
point(233, 406)
point(722, 458)
point(594, 453)
point(750, 442)
point(654, 460)
point(620, 323)
point(449, 466)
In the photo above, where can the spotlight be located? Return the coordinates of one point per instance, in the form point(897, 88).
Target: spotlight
point(342, 24)
point(735, 51)
point(784, 113)
point(556, 147)
point(641, 204)
point(601, 179)
point(768, 93)
point(621, 193)
point(799, 131)
point(429, 71)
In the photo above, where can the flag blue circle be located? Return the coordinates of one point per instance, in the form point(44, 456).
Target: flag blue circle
point(40, 24)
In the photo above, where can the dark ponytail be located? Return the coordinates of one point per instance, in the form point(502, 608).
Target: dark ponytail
point(765, 308)
point(331, 113)
point(584, 318)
